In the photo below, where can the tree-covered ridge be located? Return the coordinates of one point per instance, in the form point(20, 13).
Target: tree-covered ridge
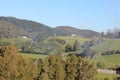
point(32, 29)
point(8, 30)
point(77, 32)
point(38, 31)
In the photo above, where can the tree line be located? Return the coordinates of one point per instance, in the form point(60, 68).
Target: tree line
point(14, 66)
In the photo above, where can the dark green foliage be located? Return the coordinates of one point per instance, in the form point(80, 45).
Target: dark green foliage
point(100, 64)
point(60, 41)
point(118, 70)
point(76, 46)
point(106, 78)
point(50, 48)
point(89, 53)
point(28, 47)
point(117, 78)
point(93, 42)
point(111, 52)
point(45, 47)
point(68, 48)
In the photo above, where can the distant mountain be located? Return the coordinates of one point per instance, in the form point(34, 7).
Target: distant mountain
point(30, 28)
point(70, 30)
point(14, 27)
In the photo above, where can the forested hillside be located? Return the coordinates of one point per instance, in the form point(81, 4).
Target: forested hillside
point(14, 27)
point(31, 29)
point(78, 32)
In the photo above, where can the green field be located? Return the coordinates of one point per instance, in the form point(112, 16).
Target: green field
point(109, 60)
point(100, 76)
point(111, 44)
point(70, 40)
point(14, 41)
point(33, 56)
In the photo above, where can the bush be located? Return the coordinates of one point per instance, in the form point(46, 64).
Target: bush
point(68, 48)
point(100, 64)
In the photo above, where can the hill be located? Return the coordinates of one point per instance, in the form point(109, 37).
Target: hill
point(10, 30)
point(30, 28)
point(78, 32)
point(14, 27)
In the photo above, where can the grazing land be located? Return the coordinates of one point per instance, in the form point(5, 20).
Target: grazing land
point(109, 44)
point(109, 60)
point(100, 76)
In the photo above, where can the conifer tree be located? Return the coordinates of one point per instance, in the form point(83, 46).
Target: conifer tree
point(86, 69)
point(71, 68)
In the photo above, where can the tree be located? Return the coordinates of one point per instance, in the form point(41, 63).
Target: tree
point(52, 69)
point(14, 66)
point(43, 68)
point(68, 48)
point(100, 64)
point(28, 47)
point(89, 53)
point(51, 48)
point(76, 46)
point(86, 69)
point(56, 68)
point(71, 67)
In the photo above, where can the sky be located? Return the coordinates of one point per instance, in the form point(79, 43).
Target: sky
point(97, 15)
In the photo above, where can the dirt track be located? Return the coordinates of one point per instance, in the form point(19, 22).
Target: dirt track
point(106, 71)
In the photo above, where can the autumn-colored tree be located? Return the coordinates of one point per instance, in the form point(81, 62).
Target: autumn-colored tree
point(52, 68)
point(56, 68)
point(13, 66)
point(43, 74)
point(71, 68)
point(86, 69)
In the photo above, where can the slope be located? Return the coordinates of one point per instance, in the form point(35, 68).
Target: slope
point(70, 30)
point(111, 44)
point(33, 29)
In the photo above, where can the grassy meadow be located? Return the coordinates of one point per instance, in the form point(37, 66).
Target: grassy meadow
point(109, 44)
point(33, 56)
point(102, 76)
point(109, 60)
point(70, 40)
